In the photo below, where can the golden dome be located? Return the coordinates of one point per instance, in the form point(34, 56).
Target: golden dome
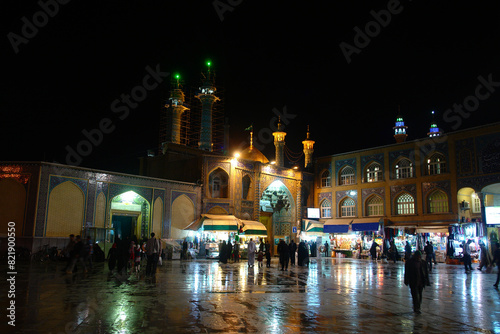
point(254, 154)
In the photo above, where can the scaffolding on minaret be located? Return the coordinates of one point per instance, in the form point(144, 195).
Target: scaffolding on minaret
point(190, 121)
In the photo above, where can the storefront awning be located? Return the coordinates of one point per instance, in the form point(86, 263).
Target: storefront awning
point(221, 223)
point(432, 229)
point(336, 226)
point(365, 227)
point(251, 227)
point(313, 226)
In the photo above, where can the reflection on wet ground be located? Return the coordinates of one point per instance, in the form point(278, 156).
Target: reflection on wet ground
point(203, 296)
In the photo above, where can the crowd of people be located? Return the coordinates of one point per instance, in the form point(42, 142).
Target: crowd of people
point(124, 256)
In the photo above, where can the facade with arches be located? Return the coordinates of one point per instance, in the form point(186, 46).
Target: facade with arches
point(48, 202)
point(436, 181)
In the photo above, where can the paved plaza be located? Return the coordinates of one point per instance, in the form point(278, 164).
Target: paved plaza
point(202, 296)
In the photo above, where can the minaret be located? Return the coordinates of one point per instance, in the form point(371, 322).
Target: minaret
point(207, 98)
point(434, 131)
point(279, 143)
point(308, 149)
point(176, 108)
point(400, 128)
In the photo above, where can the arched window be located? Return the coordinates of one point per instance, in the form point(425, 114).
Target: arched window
point(405, 204)
point(374, 172)
point(403, 169)
point(245, 186)
point(326, 209)
point(218, 184)
point(438, 202)
point(347, 175)
point(347, 208)
point(326, 179)
point(375, 206)
point(436, 164)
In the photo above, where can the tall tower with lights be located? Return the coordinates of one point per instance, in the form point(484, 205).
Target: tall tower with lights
point(279, 143)
point(308, 149)
point(176, 108)
point(207, 97)
point(400, 128)
point(434, 131)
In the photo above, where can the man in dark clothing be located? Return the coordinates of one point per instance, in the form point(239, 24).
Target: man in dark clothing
point(407, 251)
point(78, 255)
point(496, 260)
point(284, 254)
point(373, 250)
point(416, 277)
point(467, 256)
point(153, 251)
point(292, 248)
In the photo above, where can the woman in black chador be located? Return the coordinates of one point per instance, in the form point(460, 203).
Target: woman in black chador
point(303, 256)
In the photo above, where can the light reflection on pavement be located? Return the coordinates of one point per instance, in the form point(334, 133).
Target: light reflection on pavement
point(203, 296)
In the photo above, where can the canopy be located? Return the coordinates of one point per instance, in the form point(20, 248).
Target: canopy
point(251, 227)
point(221, 223)
point(365, 227)
point(336, 226)
point(432, 229)
point(313, 226)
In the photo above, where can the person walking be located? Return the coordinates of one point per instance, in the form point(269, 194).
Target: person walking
point(417, 278)
point(89, 250)
point(153, 251)
point(496, 260)
point(407, 251)
point(284, 253)
point(485, 256)
point(428, 249)
point(467, 256)
point(236, 251)
point(68, 251)
point(78, 256)
point(251, 253)
point(268, 254)
point(373, 250)
point(327, 249)
point(293, 248)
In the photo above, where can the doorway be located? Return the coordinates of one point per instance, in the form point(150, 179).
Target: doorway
point(124, 226)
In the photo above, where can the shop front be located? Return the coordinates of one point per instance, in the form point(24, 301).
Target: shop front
point(212, 230)
point(314, 237)
point(251, 230)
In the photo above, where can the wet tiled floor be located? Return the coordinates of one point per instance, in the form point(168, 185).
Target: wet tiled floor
point(203, 296)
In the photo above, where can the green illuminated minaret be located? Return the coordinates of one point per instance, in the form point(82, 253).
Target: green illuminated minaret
point(207, 98)
point(176, 108)
point(400, 129)
point(279, 144)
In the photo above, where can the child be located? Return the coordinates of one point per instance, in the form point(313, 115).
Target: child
point(137, 259)
point(260, 257)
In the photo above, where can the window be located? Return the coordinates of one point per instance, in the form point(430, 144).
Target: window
point(375, 206)
point(476, 203)
point(218, 184)
point(245, 186)
point(374, 173)
point(438, 202)
point(347, 208)
point(403, 169)
point(326, 209)
point(326, 179)
point(436, 164)
point(405, 204)
point(347, 175)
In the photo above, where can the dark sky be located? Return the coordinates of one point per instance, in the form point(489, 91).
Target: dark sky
point(272, 55)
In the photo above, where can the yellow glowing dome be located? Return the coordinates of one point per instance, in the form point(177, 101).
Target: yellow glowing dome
point(254, 154)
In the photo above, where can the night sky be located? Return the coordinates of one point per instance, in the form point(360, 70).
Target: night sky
point(62, 71)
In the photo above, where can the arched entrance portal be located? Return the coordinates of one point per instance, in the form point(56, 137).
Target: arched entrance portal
point(277, 211)
point(491, 206)
point(130, 215)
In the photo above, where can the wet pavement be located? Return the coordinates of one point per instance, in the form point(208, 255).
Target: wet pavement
point(202, 296)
